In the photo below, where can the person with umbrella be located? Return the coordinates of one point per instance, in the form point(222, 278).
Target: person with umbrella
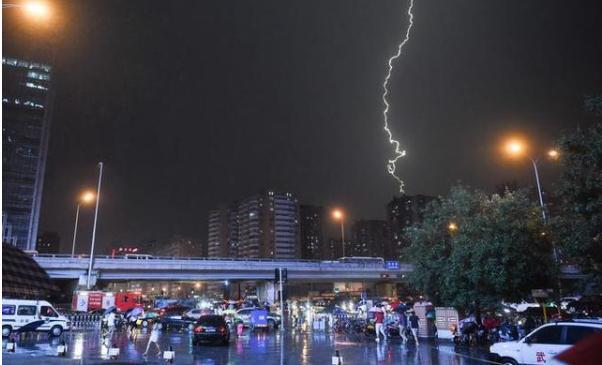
point(402, 322)
point(111, 323)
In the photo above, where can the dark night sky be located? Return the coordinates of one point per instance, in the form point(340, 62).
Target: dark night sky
point(193, 103)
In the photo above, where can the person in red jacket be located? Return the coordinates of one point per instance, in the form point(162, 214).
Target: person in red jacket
point(379, 316)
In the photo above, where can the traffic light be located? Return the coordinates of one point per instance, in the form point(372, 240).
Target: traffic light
point(277, 275)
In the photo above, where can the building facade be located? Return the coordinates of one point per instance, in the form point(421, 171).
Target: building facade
point(312, 235)
point(26, 114)
point(49, 242)
point(403, 212)
point(179, 246)
point(369, 238)
point(265, 225)
point(223, 232)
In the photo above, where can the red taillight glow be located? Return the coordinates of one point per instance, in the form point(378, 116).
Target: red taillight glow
point(222, 329)
point(199, 329)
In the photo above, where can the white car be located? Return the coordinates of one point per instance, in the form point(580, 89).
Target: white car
point(17, 313)
point(545, 342)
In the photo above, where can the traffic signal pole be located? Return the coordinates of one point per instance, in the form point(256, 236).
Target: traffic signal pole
point(281, 301)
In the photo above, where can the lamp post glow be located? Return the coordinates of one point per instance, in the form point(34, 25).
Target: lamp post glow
point(516, 148)
point(452, 227)
point(34, 9)
point(337, 214)
point(85, 198)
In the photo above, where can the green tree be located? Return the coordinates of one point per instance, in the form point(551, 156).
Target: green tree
point(493, 251)
point(578, 224)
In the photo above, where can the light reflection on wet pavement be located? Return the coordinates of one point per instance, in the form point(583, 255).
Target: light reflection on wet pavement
point(294, 347)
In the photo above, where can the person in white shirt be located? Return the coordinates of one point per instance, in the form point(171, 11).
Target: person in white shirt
point(111, 323)
point(154, 339)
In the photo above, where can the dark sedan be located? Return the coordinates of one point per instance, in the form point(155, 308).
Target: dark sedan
point(211, 329)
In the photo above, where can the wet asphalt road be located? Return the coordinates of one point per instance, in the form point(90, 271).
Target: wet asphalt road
point(290, 347)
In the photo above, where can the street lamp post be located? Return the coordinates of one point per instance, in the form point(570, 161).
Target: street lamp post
point(85, 198)
point(517, 148)
point(100, 165)
point(543, 209)
point(75, 230)
point(338, 215)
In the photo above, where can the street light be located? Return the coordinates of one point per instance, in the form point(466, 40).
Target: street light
point(338, 215)
point(34, 9)
point(452, 227)
point(517, 148)
point(85, 198)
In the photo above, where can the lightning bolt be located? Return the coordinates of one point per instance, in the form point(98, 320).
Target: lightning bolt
point(399, 153)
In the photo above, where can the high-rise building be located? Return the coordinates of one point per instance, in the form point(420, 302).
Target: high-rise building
point(369, 238)
point(403, 212)
point(26, 114)
point(49, 242)
point(312, 237)
point(261, 226)
point(223, 232)
point(179, 246)
point(333, 249)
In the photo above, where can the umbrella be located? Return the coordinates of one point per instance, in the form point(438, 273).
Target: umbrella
point(110, 309)
point(136, 311)
point(400, 308)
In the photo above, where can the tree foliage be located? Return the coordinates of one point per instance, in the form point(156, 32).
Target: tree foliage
point(578, 223)
point(496, 253)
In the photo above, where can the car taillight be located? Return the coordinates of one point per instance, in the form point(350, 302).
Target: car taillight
point(199, 329)
point(222, 329)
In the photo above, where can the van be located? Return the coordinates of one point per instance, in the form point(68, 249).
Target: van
point(545, 342)
point(17, 313)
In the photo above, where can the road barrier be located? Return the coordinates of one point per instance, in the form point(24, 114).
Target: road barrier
point(85, 321)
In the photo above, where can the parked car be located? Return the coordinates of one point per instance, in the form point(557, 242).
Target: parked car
point(32, 315)
point(544, 343)
point(176, 318)
point(211, 328)
point(244, 315)
point(196, 313)
point(173, 309)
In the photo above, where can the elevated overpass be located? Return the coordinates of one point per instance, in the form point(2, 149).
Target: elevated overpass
point(200, 268)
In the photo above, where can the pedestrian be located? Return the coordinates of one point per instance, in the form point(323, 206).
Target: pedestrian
point(111, 323)
point(379, 316)
point(154, 339)
point(414, 325)
point(403, 323)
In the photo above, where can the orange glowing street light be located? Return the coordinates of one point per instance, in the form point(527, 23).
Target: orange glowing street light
point(34, 9)
point(516, 147)
point(452, 227)
point(37, 9)
point(338, 215)
point(87, 197)
point(553, 154)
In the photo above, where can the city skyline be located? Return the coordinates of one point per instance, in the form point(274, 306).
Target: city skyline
point(183, 125)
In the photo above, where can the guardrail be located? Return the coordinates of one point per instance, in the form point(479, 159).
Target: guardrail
point(319, 263)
